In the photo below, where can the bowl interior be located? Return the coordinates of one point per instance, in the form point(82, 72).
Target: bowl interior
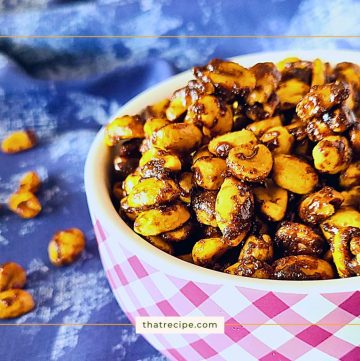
point(100, 205)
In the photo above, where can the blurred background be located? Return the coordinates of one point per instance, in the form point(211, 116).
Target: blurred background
point(66, 88)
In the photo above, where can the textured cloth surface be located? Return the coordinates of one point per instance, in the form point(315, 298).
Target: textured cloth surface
point(65, 89)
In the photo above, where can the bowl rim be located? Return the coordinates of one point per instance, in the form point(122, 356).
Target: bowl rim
point(100, 205)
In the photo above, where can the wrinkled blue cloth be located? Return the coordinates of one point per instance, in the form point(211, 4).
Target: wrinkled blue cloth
point(66, 89)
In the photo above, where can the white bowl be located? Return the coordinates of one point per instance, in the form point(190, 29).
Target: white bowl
point(147, 281)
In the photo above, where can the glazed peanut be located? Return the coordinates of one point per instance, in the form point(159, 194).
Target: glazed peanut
point(12, 275)
point(294, 174)
point(319, 206)
point(278, 140)
point(179, 234)
point(125, 127)
point(320, 99)
point(19, 141)
point(298, 239)
point(186, 185)
point(261, 126)
point(156, 221)
point(273, 201)
point(209, 172)
point(332, 154)
point(30, 182)
point(24, 204)
point(290, 92)
point(206, 251)
point(222, 144)
point(259, 247)
point(234, 209)
point(66, 246)
point(204, 207)
point(160, 243)
point(212, 115)
point(250, 267)
point(250, 164)
point(15, 303)
point(152, 191)
point(302, 267)
point(345, 249)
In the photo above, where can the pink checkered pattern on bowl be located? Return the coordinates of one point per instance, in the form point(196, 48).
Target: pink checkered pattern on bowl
point(142, 290)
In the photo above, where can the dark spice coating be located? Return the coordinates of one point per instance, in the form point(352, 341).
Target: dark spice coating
point(301, 70)
point(321, 99)
point(339, 119)
point(300, 268)
point(317, 130)
point(298, 239)
point(311, 209)
point(249, 266)
point(204, 202)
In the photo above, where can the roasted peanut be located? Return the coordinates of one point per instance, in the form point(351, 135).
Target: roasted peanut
point(259, 247)
point(151, 192)
point(127, 148)
point(317, 130)
point(320, 99)
point(319, 206)
point(12, 275)
point(350, 177)
point(343, 217)
point(15, 303)
point(332, 154)
point(154, 124)
point(178, 137)
point(179, 234)
point(297, 69)
point(155, 162)
point(273, 201)
point(278, 140)
point(177, 106)
point(66, 246)
point(267, 79)
point(290, 93)
point(222, 144)
point(212, 115)
point(124, 127)
point(160, 243)
point(250, 164)
point(19, 141)
point(339, 119)
point(159, 220)
point(24, 204)
point(298, 239)
point(284, 64)
point(345, 248)
point(30, 182)
point(130, 182)
point(302, 267)
point(204, 206)
point(130, 213)
point(206, 251)
point(234, 209)
point(294, 174)
point(250, 267)
point(226, 76)
point(209, 172)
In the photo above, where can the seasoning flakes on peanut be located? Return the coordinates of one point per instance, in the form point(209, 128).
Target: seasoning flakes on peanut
point(249, 171)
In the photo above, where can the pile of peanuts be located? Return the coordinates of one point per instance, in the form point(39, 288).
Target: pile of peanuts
point(249, 171)
point(64, 248)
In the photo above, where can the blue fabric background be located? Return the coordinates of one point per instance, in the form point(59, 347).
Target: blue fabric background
point(67, 88)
